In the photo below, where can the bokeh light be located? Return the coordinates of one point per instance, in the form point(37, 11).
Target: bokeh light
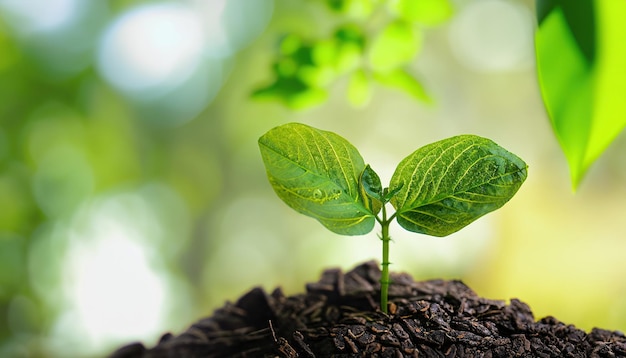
point(40, 16)
point(113, 277)
point(59, 34)
point(171, 33)
point(171, 57)
point(493, 35)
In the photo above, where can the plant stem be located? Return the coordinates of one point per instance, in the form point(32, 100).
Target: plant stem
point(384, 278)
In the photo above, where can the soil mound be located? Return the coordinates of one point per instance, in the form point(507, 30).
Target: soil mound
point(338, 316)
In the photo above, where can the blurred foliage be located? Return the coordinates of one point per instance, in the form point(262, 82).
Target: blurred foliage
point(89, 178)
point(65, 140)
point(373, 44)
point(580, 63)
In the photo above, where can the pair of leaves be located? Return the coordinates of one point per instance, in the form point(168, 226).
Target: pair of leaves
point(437, 190)
point(580, 63)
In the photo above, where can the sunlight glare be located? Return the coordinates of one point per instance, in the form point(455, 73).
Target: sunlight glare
point(493, 35)
point(211, 12)
point(169, 58)
point(36, 16)
point(110, 282)
point(151, 48)
point(231, 25)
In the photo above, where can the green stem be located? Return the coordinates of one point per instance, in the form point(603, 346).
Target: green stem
point(384, 278)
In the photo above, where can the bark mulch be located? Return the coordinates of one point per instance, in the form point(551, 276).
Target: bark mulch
point(338, 316)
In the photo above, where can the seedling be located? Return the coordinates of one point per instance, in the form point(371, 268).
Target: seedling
point(437, 190)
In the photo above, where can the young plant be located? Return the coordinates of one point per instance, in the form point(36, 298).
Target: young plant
point(437, 190)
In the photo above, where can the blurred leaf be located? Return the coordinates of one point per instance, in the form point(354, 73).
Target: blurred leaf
point(580, 20)
point(307, 99)
point(610, 86)
point(360, 9)
point(290, 44)
point(446, 185)
point(543, 8)
point(359, 89)
point(350, 45)
point(286, 67)
point(303, 55)
point(395, 46)
point(402, 80)
point(348, 58)
point(304, 70)
point(293, 92)
point(340, 53)
point(581, 79)
point(337, 5)
point(324, 52)
point(353, 8)
point(350, 33)
point(565, 81)
point(317, 174)
point(427, 12)
point(316, 76)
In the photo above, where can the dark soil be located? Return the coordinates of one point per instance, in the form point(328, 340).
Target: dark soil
point(339, 317)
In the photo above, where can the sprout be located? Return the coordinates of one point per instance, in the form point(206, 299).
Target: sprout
point(437, 190)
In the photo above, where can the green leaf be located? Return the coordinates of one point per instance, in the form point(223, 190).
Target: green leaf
point(388, 194)
point(446, 185)
point(580, 64)
point(427, 12)
point(372, 189)
point(402, 80)
point(317, 173)
point(370, 181)
point(395, 46)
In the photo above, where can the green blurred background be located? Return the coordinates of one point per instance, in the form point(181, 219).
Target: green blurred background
point(133, 199)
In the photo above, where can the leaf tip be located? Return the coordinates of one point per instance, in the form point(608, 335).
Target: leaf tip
point(576, 178)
